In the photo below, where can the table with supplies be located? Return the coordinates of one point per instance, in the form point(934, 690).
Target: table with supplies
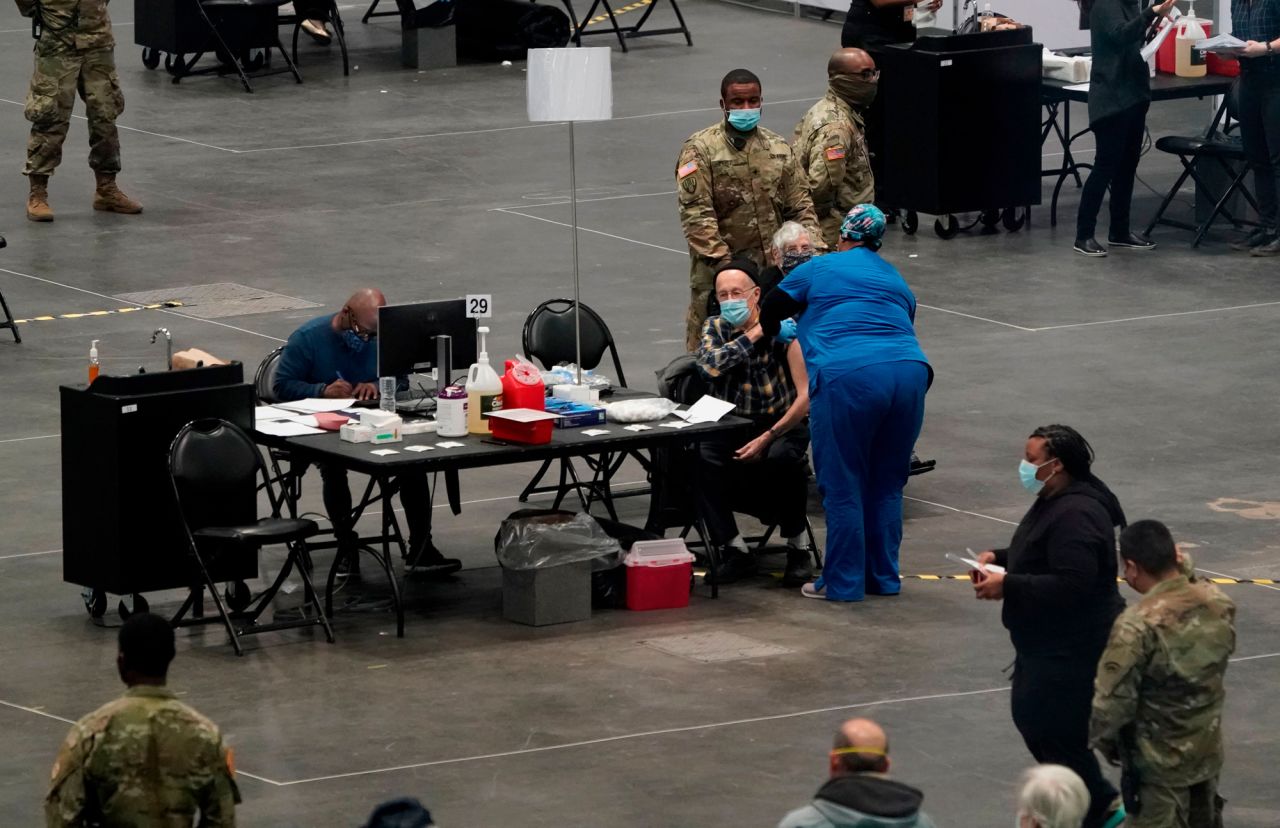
point(429, 453)
point(1057, 97)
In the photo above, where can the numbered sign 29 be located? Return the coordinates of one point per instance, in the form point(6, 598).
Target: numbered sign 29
point(479, 305)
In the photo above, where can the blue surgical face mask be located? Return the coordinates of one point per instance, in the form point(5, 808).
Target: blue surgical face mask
point(744, 120)
point(355, 344)
point(735, 311)
point(794, 258)
point(1027, 474)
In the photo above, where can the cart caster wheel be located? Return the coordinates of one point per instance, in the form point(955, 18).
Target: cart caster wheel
point(947, 230)
point(254, 60)
point(990, 218)
point(1013, 219)
point(237, 596)
point(133, 606)
point(175, 65)
point(910, 222)
point(95, 602)
point(150, 58)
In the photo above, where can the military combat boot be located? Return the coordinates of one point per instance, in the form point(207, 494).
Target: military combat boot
point(109, 198)
point(38, 208)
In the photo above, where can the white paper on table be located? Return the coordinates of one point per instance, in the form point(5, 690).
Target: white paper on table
point(384, 452)
point(637, 427)
point(450, 444)
point(316, 405)
point(595, 432)
point(419, 448)
point(1077, 87)
point(285, 428)
point(265, 413)
point(676, 424)
point(306, 420)
point(973, 564)
point(706, 410)
point(522, 415)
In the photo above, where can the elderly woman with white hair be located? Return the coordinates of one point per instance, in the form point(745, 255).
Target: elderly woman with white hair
point(1052, 796)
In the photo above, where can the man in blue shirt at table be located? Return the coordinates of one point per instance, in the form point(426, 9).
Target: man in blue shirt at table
point(335, 357)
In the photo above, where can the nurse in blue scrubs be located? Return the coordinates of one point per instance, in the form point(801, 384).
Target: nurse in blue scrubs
point(867, 383)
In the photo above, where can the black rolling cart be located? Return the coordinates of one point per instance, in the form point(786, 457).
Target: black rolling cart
point(239, 33)
point(961, 129)
point(121, 530)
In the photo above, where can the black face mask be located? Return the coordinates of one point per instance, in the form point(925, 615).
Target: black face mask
point(854, 89)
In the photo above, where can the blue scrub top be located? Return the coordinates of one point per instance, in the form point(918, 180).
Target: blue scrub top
point(858, 312)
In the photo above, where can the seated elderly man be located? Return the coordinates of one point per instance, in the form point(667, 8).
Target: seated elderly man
point(766, 380)
point(334, 356)
point(859, 792)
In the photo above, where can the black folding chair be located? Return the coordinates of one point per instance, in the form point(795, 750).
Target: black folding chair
point(1216, 146)
point(549, 337)
point(231, 54)
point(331, 16)
point(215, 468)
point(8, 316)
point(624, 32)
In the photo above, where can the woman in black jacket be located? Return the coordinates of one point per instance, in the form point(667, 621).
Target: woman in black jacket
point(1119, 95)
point(1060, 600)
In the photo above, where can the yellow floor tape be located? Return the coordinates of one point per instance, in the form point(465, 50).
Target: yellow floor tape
point(157, 306)
point(600, 18)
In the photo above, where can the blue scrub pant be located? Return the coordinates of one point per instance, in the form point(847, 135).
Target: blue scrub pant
point(864, 424)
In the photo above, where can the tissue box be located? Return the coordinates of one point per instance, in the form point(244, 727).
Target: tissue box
point(575, 414)
point(386, 426)
point(355, 432)
point(1068, 69)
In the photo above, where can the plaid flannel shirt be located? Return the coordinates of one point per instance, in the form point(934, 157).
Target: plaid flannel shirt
point(764, 388)
point(1257, 20)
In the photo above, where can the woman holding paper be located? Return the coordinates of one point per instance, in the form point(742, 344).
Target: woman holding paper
point(1119, 95)
point(1060, 600)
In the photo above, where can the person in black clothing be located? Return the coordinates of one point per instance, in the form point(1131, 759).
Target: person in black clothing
point(1060, 600)
point(1119, 95)
point(871, 23)
point(1257, 22)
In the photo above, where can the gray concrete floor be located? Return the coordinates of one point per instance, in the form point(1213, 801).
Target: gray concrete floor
point(433, 185)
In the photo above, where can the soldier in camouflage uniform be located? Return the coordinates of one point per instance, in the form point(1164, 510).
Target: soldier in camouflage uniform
point(74, 53)
point(736, 183)
point(1157, 706)
point(145, 760)
point(829, 146)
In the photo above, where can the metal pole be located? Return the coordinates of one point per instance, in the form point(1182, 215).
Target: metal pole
point(577, 288)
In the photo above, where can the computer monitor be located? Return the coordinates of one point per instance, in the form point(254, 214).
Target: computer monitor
point(407, 337)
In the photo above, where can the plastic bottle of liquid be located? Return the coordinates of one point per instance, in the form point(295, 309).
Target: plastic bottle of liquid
point(986, 18)
point(93, 361)
point(1189, 63)
point(484, 390)
point(387, 394)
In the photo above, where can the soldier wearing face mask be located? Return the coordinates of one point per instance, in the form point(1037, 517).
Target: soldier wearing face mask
point(736, 183)
point(829, 145)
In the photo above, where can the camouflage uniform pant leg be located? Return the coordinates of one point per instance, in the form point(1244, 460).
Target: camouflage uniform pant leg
point(1197, 806)
point(695, 316)
point(48, 107)
point(103, 103)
